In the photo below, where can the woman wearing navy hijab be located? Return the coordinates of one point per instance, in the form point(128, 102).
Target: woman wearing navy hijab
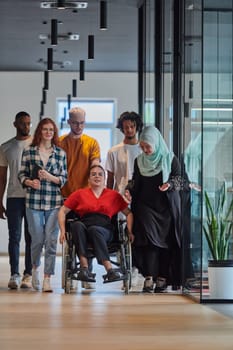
point(156, 208)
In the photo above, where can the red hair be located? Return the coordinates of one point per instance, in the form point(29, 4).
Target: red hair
point(38, 132)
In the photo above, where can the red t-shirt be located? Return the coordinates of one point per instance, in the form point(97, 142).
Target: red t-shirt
point(83, 201)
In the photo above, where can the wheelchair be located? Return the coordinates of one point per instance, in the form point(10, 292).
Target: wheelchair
point(119, 251)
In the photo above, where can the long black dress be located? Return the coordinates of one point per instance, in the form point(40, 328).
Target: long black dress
point(157, 224)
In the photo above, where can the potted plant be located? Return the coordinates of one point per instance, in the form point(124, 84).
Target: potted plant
point(218, 233)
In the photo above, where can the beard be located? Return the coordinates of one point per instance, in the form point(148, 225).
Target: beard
point(130, 137)
point(24, 133)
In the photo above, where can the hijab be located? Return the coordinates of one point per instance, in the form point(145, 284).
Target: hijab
point(160, 159)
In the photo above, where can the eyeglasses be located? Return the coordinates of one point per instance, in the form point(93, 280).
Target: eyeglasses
point(77, 123)
point(96, 174)
point(48, 129)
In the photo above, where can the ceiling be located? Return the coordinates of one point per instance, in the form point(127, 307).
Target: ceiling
point(23, 21)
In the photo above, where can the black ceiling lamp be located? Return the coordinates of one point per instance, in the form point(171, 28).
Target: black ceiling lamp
point(61, 5)
point(53, 32)
point(91, 47)
point(103, 15)
point(68, 101)
point(50, 59)
point(46, 80)
point(74, 88)
point(64, 114)
point(44, 96)
point(41, 108)
point(82, 70)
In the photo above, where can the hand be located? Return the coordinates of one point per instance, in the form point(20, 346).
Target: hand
point(35, 184)
point(131, 237)
point(127, 196)
point(195, 187)
point(44, 175)
point(164, 187)
point(2, 212)
point(62, 237)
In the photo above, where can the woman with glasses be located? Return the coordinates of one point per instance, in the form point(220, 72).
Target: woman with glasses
point(43, 172)
point(95, 205)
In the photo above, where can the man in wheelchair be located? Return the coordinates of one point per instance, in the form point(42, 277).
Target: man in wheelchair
point(95, 206)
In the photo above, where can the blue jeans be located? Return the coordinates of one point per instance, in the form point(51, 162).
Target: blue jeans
point(43, 228)
point(15, 211)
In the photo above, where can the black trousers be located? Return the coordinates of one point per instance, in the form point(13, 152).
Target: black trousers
point(152, 261)
point(95, 236)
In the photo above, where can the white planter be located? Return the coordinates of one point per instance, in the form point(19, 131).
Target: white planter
point(220, 274)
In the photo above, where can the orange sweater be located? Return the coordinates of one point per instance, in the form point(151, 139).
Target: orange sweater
point(80, 154)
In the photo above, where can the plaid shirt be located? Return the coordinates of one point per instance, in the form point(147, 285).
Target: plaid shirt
point(49, 195)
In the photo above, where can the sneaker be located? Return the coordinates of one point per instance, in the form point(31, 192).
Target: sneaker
point(46, 285)
point(74, 285)
point(85, 276)
point(35, 279)
point(134, 277)
point(14, 281)
point(161, 285)
point(113, 275)
point(26, 281)
point(88, 285)
point(148, 286)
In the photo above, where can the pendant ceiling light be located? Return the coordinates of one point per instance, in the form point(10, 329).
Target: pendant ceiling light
point(44, 96)
point(82, 70)
point(41, 108)
point(103, 15)
point(90, 47)
point(50, 59)
point(74, 88)
point(60, 4)
point(46, 80)
point(68, 101)
point(53, 32)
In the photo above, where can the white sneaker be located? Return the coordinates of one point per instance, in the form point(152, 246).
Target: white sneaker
point(134, 277)
point(46, 285)
point(26, 281)
point(88, 285)
point(74, 285)
point(148, 286)
point(14, 281)
point(35, 279)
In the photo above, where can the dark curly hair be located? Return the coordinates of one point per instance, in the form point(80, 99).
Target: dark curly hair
point(134, 117)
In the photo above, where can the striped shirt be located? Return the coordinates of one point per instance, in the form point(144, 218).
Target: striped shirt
point(49, 195)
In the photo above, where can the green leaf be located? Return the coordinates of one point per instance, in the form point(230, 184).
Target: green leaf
point(218, 226)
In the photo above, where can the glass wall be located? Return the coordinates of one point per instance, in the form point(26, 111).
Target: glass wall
point(217, 107)
point(196, 120)
point(192, 147)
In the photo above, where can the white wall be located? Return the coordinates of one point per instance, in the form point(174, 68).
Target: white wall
point(23, 91)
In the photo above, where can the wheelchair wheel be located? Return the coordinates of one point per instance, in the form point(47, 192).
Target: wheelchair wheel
point(65, 259)
point(128, 267)
point(67, 283)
